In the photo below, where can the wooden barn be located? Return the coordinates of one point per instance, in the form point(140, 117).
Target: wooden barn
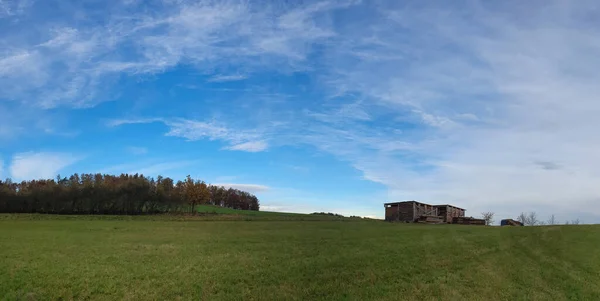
point(447, 212)
point(409, 211)
point(413, 211)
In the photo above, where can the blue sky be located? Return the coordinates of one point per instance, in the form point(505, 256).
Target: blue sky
point(313, 105)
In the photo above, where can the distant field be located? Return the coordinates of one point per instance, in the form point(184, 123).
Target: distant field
point(222, 210)
point(196, 258)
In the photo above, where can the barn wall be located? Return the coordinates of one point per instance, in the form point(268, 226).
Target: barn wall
point(449, 212)
point(402, 212)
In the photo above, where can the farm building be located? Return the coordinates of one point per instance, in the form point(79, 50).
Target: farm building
point(447, 212)
point(413, 211)
point(510, 222)
point(408, 211)
point(468, 221)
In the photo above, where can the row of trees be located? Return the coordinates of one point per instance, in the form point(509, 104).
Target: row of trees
point(528, 219)
point(531, 219)
point(124, 194)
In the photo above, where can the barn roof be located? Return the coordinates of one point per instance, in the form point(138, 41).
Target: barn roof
point(404, 202)
point(447, 205)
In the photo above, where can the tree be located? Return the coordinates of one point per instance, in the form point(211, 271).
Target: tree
point(123, 194)
point(488, 217)
point(551, 220)
point(522, 218)
point(191, 193)
point(528, 219)
point(203, 192)
point(575, 222)
point(532, 219)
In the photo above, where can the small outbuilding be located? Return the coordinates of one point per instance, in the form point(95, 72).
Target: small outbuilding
point(510, 222)
point(468, 221)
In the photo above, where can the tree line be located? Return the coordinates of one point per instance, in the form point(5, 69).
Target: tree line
point(124, 194)
point(528, 219)
point(531, 219)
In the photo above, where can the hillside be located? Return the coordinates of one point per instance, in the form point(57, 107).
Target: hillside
point(51, 257)
point(228, 213)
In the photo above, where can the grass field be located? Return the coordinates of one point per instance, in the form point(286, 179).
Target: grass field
point(162, 258)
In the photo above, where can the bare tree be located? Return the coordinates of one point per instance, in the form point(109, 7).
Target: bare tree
point(488, 217)
point(522, 218)
point(575, 222)
point(532, 219)
point(551, 220)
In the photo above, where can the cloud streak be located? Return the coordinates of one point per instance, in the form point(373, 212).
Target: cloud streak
point(226, 78)
point(192, 130)
point(252, 188)
point(40, 165)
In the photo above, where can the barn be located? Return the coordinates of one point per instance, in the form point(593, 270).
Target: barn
point(408, 211)
point(413, 211)
point(447, 212)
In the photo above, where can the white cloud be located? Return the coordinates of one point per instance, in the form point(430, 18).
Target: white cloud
point(227, 78)
point(41, 165)
point(252, 188)
point(250, 146)
point(119, 122)
point(495, 106)
point(537, 107)
point(192, 130)
point(72, 67)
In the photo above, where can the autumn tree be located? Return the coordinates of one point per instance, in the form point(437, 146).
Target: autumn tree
point(122, 194)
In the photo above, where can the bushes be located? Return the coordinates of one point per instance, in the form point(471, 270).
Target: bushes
point(124, 194)
point(327, 213)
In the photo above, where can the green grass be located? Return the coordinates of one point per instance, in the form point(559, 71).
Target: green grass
point(221, 210)
point(195, 258)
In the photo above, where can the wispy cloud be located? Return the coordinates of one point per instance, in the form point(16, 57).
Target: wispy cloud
point(71, 66)
point(252, 188)
point(137, 150)
point(227, 78)
point(150, 167)
point(156, 169)
point(192, 130)
point(9, 8)
point(40, 165)
point(251, 146)
point(119, 122)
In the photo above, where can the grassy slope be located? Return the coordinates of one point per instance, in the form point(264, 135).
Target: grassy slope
point(79, 258)
point(222, 210)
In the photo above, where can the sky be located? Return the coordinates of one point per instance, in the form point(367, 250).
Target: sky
point(335, 106)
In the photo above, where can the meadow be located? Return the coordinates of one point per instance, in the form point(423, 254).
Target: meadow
point(272, 256)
